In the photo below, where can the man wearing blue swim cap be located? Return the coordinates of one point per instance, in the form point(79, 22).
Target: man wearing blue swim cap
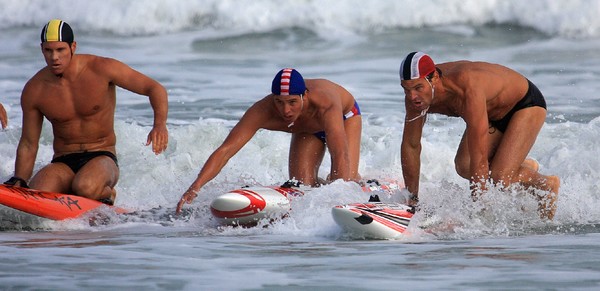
point(77, 94)
point(318, 113)
point(503, 112)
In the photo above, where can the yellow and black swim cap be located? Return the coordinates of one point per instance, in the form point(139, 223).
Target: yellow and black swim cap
point(57, 30)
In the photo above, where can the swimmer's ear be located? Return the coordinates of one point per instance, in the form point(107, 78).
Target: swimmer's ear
point(437, 72)
point(73, 47)
point(430, 76)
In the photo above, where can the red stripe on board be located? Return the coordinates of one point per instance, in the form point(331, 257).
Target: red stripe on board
point(257, 204)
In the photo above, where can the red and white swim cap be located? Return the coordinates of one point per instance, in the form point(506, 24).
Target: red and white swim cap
point(416, 65)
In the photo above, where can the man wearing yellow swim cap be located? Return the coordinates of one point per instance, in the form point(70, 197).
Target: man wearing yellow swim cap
point(77, 94)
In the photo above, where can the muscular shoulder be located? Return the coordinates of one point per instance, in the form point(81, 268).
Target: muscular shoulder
point(261, 114)
point(262, 109)
point(101, 65)
point(465, 71)
point(35, 85)
point(325, 94)
point(322, 87)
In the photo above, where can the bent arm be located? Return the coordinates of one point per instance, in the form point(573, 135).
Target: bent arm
point(237, 138)
point(158, 136)
point(217, 160)
point(134, 81)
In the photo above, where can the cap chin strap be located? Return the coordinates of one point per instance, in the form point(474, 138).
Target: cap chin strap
point(424, 111)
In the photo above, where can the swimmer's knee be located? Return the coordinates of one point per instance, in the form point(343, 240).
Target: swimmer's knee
point(88, 188)
point(83, 187)
point(462, 169)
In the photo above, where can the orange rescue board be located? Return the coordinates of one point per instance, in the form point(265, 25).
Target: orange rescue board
point(55, 206)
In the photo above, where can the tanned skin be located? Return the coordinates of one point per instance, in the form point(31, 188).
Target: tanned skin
point(77, 95)
point(320, 108)
point(478, 92)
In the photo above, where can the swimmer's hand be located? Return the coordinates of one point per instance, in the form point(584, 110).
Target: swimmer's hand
point(413, 202)
point(187, 197)
point(159, 138)
point(17, 181)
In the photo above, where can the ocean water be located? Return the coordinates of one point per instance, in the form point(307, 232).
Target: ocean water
point(218, 57)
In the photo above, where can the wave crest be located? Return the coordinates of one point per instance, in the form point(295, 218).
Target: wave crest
point(575, 18)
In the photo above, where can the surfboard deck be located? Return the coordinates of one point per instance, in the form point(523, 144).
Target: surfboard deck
point(247, 206)
point(54, 206)
point(375, 220)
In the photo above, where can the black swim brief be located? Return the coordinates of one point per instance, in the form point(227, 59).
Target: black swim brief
point(533, 97)
point(76, 161)
point(353, 112)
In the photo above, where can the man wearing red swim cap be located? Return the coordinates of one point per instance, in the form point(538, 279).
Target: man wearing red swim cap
point(77, 94)
point(503, 111)
point(318, 113)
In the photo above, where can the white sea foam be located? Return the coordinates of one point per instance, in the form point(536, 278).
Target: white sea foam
point(215, 67)
point(216, 57)
point(575, 18)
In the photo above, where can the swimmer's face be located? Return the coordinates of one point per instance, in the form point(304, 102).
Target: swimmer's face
point(289, 106)
point(58, 55)
point(417, 92)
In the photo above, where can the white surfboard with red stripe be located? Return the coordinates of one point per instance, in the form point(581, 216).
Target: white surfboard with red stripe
point(247, 206)
point(375, 220)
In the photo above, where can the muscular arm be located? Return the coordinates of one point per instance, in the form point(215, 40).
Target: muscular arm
point(337, 143)
point(237, 138)
point(30, 136)
point(410, 155)
point(477, 122)
point(134, 81)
